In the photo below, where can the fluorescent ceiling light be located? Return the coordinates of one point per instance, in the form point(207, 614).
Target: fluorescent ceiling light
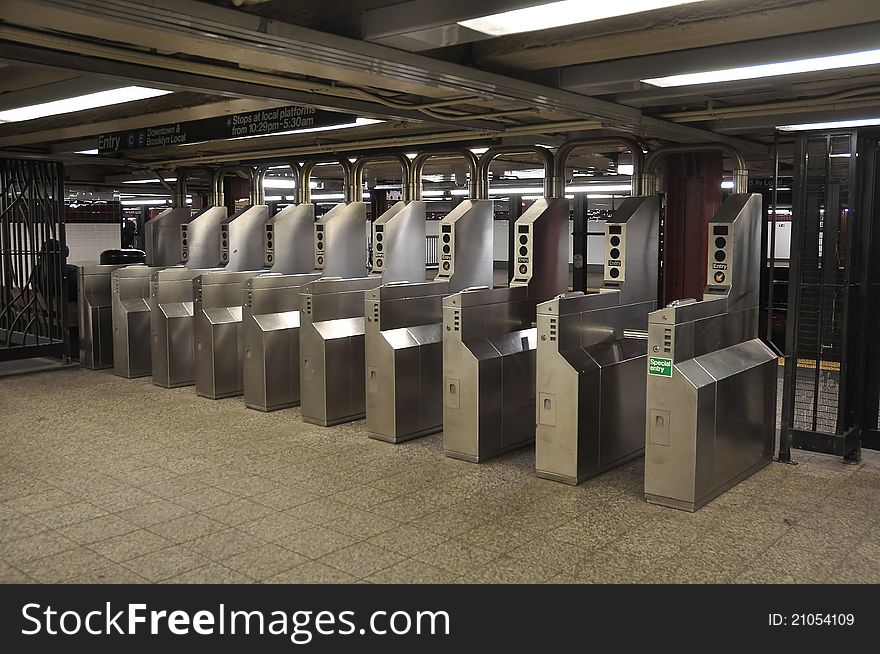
point(334, 196)
point(624, 169)
point(478, 151)
point(92, 151)
point(528, 173)
point(132, 203)
point(80, 102)
point(841, 154)
point(558, 14)
point(865, 58)
point(360, 122)
point(727, 184)
point(861, 122)
point(287, 182)
point(149, 181)
point(592, 188)
point(433, 194)
point(459, 191)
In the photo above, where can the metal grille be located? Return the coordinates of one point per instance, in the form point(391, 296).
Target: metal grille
point(32, 259)
point(431, 256)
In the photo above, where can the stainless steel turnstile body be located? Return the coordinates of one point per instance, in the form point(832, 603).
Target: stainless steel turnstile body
point(217, 344)
point(590, 385)
point(270, 329)
point(489, 342)
point(290, 240)
point(332, 349)
point(204, 241)
point(130, 287)
point(162, 236)
point(711, 402)
point(399, 243)
point(341, 241)
point(95, 304)
point(246, 234)
point(404, 352)
point(171, 326)
point(466, 237)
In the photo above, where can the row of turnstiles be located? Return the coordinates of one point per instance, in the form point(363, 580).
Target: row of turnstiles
point(286, 310)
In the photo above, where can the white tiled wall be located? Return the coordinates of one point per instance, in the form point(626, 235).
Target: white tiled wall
point(86, 241)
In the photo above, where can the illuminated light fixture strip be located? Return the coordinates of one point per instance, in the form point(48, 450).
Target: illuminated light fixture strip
point(835, 124)
point(149, 181)
point(360, 122)
point(566, 12)
point(80, 103)
point(850, 60)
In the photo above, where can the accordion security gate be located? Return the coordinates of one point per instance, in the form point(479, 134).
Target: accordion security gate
point(830, 387)
point(32, 259)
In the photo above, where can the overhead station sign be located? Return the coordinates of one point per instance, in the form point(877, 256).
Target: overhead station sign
point(242, 125)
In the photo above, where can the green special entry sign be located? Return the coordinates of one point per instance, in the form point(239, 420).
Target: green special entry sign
point(660, 366)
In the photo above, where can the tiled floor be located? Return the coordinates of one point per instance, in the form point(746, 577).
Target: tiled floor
point(104, 479)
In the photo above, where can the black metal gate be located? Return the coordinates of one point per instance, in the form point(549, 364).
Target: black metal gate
point(828, 321)
point(32, 259)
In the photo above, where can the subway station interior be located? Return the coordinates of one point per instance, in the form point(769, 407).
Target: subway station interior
point(386, 291)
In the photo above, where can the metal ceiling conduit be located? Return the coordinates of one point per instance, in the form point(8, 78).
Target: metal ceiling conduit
point(740, 171)
point(418, 165)
point(357, 175)
point(244, 172)
point(304, 192)
point(493, 152)
point(178, 198)
point(564, 151)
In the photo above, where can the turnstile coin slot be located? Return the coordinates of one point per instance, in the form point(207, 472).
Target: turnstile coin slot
point(453, 400)
point(547, 411)
point(659, 433)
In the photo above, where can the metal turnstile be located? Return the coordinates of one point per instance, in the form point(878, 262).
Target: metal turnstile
point(217, 343)
point(404, 351)
point(711, 403)
point(95, 304)
point(489, 342)
point(290, 240)
point(466, 236)
point(246, 238)
point(399, 243)
point(162, 236)
point(591, 357)
point(332, 349)
point(341, 241)
point(171, 326)
point(404, 330)
point(270, 330)
point(130, 287)
point(204, 240)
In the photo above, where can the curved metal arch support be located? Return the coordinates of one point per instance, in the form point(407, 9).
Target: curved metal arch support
point(305, 175)
point(740, 172)
point(357, 175)
point(179, 198)
point(418, 165)
point(565, 150)
point(489, 156)
point(245, 172)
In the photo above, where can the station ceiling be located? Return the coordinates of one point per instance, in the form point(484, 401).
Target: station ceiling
point(431, 81)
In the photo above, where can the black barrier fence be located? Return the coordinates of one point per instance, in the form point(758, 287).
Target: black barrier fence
point(32, 259)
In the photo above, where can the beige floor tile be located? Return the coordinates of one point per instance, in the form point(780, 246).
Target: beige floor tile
point(40, 501)
point(412, 571)
point(164, 564)
point(35, 547)
point(147, 515)
point(114, 573)
point(361, 559)
point(457, 557)
point(362, 524)
point(64, 565)
point(11, 575)
point(97, 529)
point(223, 544)
point(317, 542)
point(205, 498)
point(321, 511)
point(238, 512)
point(312, 572)
point(264, 561)
point(187, 528)
point(68, 514)
point(124, 500)
point(285, 497)
point(14, 528)
point(213, 573)
point(407, 540)
point(276, 526)
point(130, 545)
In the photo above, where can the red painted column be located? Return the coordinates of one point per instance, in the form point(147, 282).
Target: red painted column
point(693, 195)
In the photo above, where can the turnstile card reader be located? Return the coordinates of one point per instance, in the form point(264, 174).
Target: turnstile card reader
point(131, 320)
point(95, 308)
point(590, 384)
point(246, 233)
point(171, 326)
point(465, 248)
point(204, 241)
point(341, 241)
point(399, 243)
point(332, 349)
point(290, 240)
point(404, 352)
point(711, 399)
point(489, 342)
point(217, 344)
point(162, 236)
point(270, 329)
